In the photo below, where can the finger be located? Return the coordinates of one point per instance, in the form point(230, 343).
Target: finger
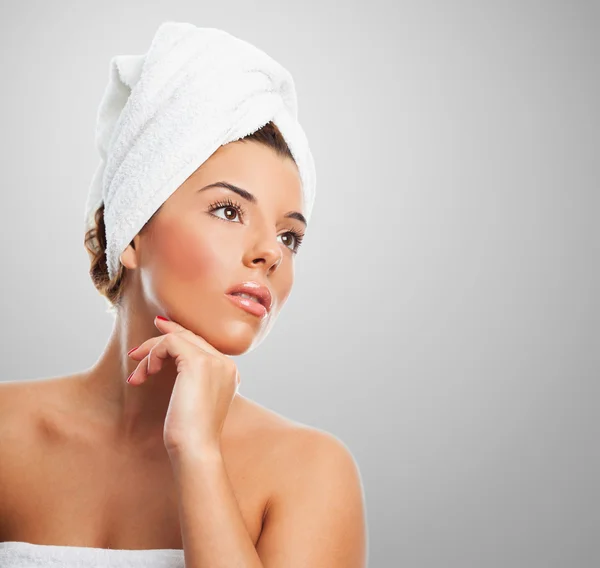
point(134, 378)
point(173, 345)
point(144, 348)
point(167, 326)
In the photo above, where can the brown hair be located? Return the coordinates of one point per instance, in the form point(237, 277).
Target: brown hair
point(95, 238)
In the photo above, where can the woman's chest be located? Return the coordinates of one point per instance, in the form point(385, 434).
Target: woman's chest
point(79, 497)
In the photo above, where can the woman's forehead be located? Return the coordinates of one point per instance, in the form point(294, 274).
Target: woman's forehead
point(255, 168)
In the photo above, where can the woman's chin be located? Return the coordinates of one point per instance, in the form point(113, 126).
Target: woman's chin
point(230, 336)
point(235, 340)
point(232, 347)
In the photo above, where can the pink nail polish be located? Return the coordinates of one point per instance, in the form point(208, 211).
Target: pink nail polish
point(129, 377)
point(131, 350)
point(161, 318)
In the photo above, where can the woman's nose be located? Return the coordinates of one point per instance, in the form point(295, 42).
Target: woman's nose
point(267, 251)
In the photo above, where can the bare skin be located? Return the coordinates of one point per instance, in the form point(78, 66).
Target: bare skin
point(64, 479)
point(82, 458)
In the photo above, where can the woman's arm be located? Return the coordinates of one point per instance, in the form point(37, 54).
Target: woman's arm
point(213, 531)
point(316, 519)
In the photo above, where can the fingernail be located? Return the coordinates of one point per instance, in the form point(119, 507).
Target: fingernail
point(131, 350)
point(161, 318)
point(129, 377)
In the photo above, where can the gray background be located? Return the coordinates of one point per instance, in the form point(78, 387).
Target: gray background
point(444, 320)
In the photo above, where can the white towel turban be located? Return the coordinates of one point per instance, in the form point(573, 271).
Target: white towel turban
point(166, 112)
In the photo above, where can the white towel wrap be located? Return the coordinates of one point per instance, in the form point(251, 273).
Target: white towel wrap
point(166, 112)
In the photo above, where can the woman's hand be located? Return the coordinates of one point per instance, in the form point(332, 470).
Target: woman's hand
point(206, 383)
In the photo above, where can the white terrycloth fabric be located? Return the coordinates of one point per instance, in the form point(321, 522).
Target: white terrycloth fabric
point(166, 112)
point(17, 554)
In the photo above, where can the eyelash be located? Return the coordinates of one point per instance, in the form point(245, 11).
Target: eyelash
point(241, 211)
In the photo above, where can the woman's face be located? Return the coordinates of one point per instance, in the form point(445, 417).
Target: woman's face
point(199, 244)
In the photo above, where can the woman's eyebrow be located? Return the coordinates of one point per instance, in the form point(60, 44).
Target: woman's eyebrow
point(251, 198)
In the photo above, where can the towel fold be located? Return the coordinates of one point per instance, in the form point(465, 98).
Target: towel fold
point(165, 112)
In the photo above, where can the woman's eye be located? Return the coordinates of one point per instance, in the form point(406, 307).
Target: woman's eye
point(232, 212)
point(289, 237)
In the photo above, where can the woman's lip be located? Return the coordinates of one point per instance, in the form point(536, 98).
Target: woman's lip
point(250, 306)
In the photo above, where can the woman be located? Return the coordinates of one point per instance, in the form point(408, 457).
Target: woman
point(151, 456)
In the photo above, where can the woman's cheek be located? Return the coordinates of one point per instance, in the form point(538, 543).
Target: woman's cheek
point(185, 255)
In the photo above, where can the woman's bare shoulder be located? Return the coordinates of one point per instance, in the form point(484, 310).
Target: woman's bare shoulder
point(282, 426)
point(289, 443)
point(258, 422)
point(18, 399)
point(18, 412)
point(10, 389)
point(15, 404)
point(22, 408)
